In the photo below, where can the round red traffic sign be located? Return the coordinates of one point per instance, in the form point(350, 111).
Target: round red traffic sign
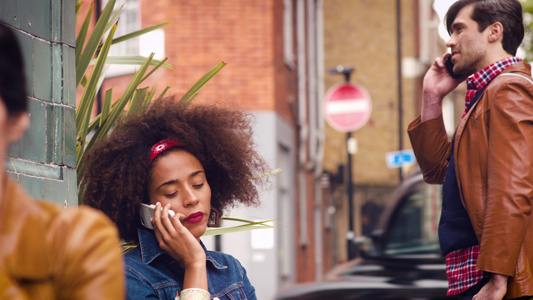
point(347, 107)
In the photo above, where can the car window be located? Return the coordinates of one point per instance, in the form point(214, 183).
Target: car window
point(414, 227)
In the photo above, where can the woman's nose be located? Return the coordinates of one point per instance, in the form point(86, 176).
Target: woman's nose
point(190, 198)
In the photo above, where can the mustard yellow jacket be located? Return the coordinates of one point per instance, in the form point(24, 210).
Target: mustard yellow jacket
point(494, 168)
point(47, 252)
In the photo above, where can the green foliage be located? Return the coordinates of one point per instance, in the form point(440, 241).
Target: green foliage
point(93, 49)
point(246, 225)
point(90, 50)
point(527, 45)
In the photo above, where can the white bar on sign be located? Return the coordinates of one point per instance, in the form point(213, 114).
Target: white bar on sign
point(347, 106)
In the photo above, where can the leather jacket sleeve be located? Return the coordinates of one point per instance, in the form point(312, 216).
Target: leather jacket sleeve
point(86, 256)
point(431, 147)
point(47, 252)
point(10, 289)
point(510, 176)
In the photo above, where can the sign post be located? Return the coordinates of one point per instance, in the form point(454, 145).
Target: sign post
point(399, 159)
point(347, 108)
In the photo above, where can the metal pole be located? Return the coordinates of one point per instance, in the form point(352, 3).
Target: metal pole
point(350, 235)
point(399, 58)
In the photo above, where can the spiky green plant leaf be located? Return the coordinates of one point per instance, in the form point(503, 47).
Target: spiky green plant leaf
point(134, 60)
point(140, 32)
point(193, 91)
point(94, 40)
point(82, 34)
point(117, 109)
point(106, 107)
point(248, 225)
point(84, 112)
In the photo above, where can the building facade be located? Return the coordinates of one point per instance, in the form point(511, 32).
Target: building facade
point(390, 44)
point(273, 51)
point(278, 54)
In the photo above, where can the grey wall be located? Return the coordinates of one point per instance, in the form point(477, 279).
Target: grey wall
point(44, 160)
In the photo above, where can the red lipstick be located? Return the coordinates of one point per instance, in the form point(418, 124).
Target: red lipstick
point(195, 217)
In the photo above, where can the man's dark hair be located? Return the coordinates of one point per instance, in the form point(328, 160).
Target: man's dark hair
point(12, 80)
point(487, 12)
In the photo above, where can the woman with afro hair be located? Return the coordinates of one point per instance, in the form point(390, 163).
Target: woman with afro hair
point(193, 160)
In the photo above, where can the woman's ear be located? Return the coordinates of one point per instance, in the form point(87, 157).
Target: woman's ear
point(214, 218)
point(17, 125)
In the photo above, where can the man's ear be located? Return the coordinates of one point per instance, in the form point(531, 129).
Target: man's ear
point(495, 32)
point(17, 125)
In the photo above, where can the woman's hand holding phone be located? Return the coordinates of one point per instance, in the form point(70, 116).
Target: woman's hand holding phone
point(175, 239)
point(182, 246)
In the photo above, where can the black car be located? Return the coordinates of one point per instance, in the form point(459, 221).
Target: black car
point(400, 260)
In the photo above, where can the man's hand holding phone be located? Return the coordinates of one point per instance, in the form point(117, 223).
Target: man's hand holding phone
point(449, 67)
point(438, 82)
point(440, 78)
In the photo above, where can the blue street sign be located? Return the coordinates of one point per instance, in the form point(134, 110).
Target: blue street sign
point(400, 158)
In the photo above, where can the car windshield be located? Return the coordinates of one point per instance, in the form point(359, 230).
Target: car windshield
point(414, 227)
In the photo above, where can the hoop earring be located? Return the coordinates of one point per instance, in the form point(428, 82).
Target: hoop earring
point(214, 218)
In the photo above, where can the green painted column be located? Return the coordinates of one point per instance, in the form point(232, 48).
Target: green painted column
point(44, 160)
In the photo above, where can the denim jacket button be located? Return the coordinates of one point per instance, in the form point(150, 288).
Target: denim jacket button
point(216, 298)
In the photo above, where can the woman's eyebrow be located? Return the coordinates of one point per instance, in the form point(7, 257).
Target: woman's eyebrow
point(173, 181)
point(197, 173)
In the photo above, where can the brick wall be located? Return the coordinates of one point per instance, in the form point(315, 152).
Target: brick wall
point(204, 33)
point(44, 160)
point(248, 35)
point(363, 34)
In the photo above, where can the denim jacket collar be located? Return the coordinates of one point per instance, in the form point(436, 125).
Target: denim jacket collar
point(150, 249)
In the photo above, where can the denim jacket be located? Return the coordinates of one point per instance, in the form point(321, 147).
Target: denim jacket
point(152, 274)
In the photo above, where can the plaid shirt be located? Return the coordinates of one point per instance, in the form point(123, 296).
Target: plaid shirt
point(461, 264)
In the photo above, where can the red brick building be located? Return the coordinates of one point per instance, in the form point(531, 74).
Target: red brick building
point(273, 49)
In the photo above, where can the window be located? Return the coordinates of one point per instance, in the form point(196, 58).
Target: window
point(414, 228)
point(129, 21)
point(288, 35)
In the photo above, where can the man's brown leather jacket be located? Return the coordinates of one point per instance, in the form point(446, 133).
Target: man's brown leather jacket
point(494, 168)
point(47, 252)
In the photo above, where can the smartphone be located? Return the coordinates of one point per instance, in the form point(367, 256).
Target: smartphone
point(147, 212)
point(449, 67)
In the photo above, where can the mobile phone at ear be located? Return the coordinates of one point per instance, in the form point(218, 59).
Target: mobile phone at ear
point(449, 67)
point(147, 212)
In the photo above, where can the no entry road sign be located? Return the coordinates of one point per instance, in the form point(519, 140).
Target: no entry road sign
point(347, 107)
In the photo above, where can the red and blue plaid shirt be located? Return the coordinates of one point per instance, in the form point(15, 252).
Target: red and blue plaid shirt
point(461, 264)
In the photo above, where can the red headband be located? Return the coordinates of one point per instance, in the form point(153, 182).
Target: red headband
point(161, 147)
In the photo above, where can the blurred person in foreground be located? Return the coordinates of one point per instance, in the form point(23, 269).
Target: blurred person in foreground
point(47, 252)
point(196, 160)
point(486, 169)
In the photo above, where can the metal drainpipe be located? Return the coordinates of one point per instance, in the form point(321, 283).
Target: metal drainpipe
point(302, 118)
point(400, 98)
point(320, 86)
